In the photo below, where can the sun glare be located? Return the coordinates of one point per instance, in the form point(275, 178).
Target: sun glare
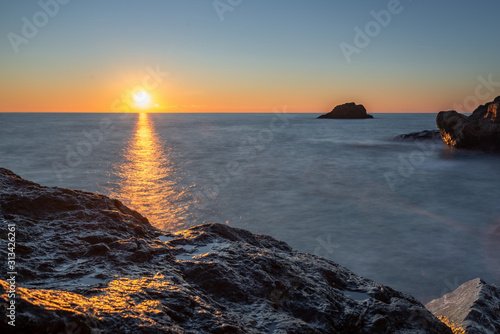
point(142, 99)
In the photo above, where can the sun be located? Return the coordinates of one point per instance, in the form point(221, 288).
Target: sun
point(142, 99)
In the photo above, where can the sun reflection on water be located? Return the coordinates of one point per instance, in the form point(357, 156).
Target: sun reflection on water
point(148, 181)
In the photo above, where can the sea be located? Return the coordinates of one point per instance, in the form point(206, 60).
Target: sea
point(417, 216)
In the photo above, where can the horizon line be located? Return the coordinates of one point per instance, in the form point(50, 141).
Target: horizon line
point(195, 112)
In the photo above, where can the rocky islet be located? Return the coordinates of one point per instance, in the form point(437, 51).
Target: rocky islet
point(349, 110)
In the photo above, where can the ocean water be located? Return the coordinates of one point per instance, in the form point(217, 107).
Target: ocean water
point(419, 217)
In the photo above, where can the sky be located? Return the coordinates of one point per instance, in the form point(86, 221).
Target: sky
point(248, 55)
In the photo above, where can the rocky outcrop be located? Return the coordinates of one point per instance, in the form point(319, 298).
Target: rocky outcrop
point(474, 307)
point(85, 263)
point(433, 135)
point(347, 111)
point(479, 131)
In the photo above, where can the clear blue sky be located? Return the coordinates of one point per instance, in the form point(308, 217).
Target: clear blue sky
point(264, 54)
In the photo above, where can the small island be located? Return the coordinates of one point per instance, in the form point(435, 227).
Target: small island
point(347, 111)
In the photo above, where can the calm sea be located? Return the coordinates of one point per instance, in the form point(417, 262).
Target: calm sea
point(417, 216)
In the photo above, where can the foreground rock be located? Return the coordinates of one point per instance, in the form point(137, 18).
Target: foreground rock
point(88, 264)
point(433, 135)
point(474, 306)
point(347, 111)
point(479, 131)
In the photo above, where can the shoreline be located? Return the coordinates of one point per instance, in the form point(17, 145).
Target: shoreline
point(93, 245)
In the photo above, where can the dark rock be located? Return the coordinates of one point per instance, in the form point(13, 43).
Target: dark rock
point(98, 249)
point(83, 272)
point(474, 306)
point(347, 111)
point(479, 131)
point(433, 135)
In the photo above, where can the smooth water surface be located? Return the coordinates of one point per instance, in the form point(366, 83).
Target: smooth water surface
point(417, 216)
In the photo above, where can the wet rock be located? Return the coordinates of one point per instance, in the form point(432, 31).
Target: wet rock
point(433, 135)
point(479, 131)
point(97, 249)
point(474, 306)
point(347, 111)
point(86, 271)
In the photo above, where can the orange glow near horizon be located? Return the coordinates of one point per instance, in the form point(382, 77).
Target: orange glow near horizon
point(196, 95)
point(126, 92)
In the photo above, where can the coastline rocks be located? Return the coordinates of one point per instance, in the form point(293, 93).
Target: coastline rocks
point(474, 306)
point(347, 111)
point(87, 264)
point(479, 131)
point(433, 135)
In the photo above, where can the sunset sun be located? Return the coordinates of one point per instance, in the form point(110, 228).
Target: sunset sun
point(250, 166)
point(142, 99)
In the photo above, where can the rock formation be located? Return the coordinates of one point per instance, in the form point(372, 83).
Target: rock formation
point(347, 111)
point(433, 135)
point(480, 131)
point(85, 263)
point(474, 306)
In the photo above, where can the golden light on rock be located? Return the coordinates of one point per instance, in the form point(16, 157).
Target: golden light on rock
point(121, 296)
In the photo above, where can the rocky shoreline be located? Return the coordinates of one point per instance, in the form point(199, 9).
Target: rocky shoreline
point(433, 135)
point(479, 131)
point(85, 263)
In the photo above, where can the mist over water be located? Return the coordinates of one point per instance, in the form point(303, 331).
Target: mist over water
point(417, 216)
